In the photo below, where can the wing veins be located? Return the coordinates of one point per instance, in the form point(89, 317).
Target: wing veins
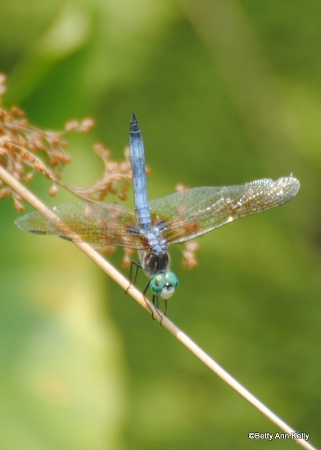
point(98, 224)
point(195, 212)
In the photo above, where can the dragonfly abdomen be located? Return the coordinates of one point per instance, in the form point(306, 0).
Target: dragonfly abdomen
point(137, 159)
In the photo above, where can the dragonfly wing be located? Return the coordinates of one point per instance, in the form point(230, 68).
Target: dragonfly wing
point(185, 215)
point(98, 224)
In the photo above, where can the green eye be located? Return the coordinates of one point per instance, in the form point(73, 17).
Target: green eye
point(164, 284)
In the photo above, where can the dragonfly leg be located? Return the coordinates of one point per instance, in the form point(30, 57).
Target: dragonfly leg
point(151, 311)
point(134, 268)
point(155, 303)
point(137, 266)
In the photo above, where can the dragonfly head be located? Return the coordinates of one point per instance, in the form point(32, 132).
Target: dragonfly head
point(164, 284)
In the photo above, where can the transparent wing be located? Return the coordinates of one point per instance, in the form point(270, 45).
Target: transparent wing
point(185, 215)
point(99, 224)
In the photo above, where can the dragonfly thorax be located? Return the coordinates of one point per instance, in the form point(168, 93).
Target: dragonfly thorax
point(153, 262)
point(154, 258)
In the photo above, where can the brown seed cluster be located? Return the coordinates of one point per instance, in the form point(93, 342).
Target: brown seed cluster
point(189, 255)
point(26, 150)
point(21, 146)
point(116, 178)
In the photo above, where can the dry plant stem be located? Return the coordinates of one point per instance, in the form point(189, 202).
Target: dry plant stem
point(138, 296)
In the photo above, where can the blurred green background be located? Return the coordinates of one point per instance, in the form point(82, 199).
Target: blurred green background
point(225, 92)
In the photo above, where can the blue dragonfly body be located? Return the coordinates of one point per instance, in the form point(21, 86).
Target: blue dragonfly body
point(159, 223)
point(154, 258)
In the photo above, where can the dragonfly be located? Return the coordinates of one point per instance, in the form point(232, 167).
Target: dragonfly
point(157, 224)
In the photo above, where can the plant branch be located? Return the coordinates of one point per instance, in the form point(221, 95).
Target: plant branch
point(140, 298)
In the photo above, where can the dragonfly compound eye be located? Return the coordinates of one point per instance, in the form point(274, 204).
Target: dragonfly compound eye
point(164, 284)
